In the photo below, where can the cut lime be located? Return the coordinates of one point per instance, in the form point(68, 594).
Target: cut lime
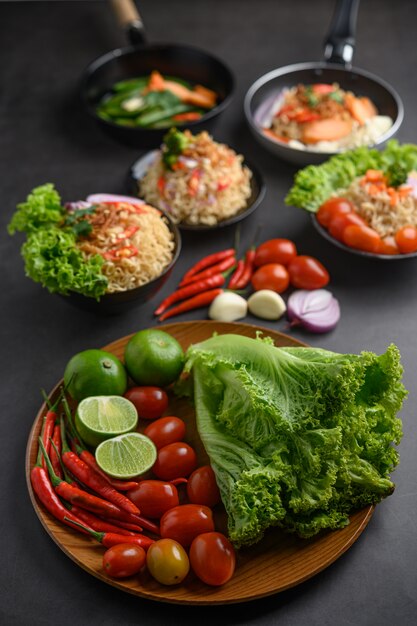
point(126, 456)
point(101, 417)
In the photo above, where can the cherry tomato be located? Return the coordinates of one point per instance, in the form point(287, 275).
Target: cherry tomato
point(202, 487)
point(333, 206)
point(213, 558)
point(406, 239)
point(165, 430)
point(183, 523)
point(388, 246)
point(154, 497)
point(167, 561)
point(339, 221)
point(272, 276)
point(362, 238)
point(150, 402)
point(306, 272)
point(275, 251)
point(123, 559)
point(175, 460)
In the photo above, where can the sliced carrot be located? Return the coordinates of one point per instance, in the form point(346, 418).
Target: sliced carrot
point(360, 109)
point(187, 117)
point(208, 93)
point(329, 129)
point(374, 175)
point(403, 192)
point(156, 82)
point(270, 133)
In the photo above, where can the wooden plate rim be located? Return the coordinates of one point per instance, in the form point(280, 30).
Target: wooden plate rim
point(364, 515)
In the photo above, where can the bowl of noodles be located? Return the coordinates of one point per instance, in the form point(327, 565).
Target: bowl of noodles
point(106, 253)
point(364, 201)
point(200, 183)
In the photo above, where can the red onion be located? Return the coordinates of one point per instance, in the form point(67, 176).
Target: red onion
point(76, 206)
point(98, 198)
point(316, 310)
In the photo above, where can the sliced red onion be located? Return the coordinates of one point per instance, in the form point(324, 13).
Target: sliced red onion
point(264, 114)
point(76, 206)
point(98, 198)
point(317, 310)
point(412, 182)
point(189, 163)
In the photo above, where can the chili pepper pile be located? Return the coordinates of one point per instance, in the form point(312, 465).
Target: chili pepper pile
point(273, 265)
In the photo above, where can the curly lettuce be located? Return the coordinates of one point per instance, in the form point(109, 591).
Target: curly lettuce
point(50, 251)
point(315, 183)
point(297, 437)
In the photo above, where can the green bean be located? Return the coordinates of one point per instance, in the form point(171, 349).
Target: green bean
point(153, 117)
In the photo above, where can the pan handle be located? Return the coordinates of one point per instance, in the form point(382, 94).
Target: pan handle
point(339, 44)
point(130, 20)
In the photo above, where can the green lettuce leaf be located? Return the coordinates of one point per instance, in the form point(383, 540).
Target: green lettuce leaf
point(315, 183)
point(50, 252)
point(297, 437)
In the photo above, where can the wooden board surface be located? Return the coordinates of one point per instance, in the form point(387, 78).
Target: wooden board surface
point(276, 563)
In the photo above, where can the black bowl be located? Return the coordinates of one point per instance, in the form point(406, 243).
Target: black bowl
point(120, 302)
point(258, 188)
point(370, 255)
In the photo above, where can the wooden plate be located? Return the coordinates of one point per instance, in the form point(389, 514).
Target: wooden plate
point(276, 563)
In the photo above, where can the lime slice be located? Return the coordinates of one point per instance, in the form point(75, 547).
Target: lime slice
point(126, 456)
point(101, 417)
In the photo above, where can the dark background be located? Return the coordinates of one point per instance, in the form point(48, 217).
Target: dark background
point(44, 136)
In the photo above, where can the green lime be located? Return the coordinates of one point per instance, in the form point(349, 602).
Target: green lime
point(95, 373)
point(126, 456)
point(101, 417)
point(153, 357)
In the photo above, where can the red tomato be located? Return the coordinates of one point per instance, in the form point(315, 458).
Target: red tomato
point(175, 460)
point(406, 239)
point(213, 558)
point(339, 221)
point(323, 88)
point(272, 276)
point(362, 238)
point(333, 206)
point(202, 487)
point(275, 251)
point(154, 497)
point(150, 402)
point(165, 430)
point(183, 523)
point(124, 559)
point(388, 246)
point(306, 272)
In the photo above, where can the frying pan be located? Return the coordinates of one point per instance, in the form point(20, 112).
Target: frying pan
point(339, 47)
point(139, 59)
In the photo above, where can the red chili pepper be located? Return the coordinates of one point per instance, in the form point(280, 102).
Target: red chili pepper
point(161, 185)
point(84, 474)
point(55, 451)
point(79, 448)
point(42, 487)
point(125, 252)
point(202, 299)
point(244, 278)
point(130, 231)
point(192, 289)
point(132, 527)
point(49, 423)
point(236, 274)
point(207, 261)
point(112, 539)
point(142, 521)
point(98, 524)
point(223, 184)
point(193, 183)
point(187, 117)
point(224, 265)
point(78, 496)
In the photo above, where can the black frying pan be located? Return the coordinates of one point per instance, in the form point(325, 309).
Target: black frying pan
point(336, 68)
point(139, 59)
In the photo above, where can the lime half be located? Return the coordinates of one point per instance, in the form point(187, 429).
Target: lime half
point(126, 456)
point(101, 417)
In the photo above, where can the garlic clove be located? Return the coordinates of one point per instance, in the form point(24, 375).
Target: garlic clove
point(266, 304)
point(228, 307)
